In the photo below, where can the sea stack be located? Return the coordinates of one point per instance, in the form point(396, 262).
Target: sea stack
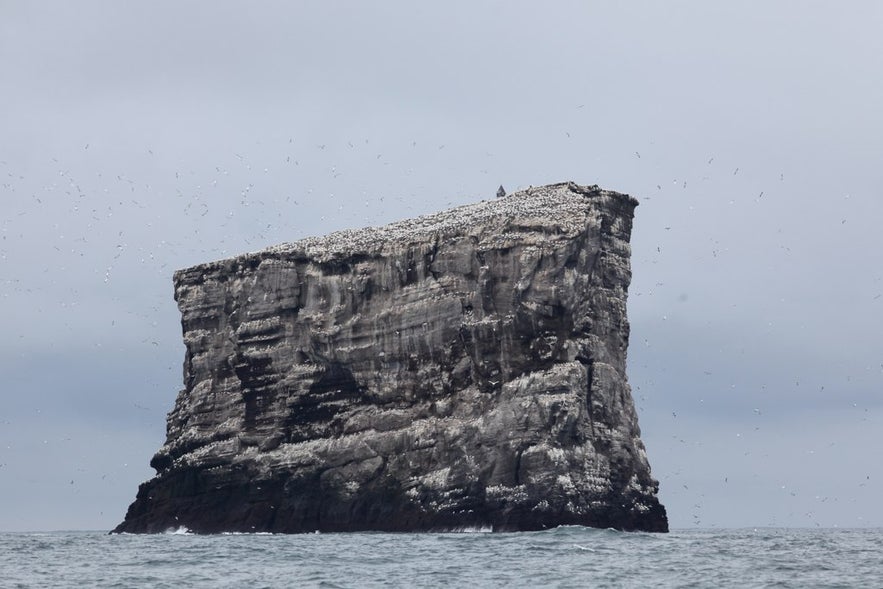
point(465, 369)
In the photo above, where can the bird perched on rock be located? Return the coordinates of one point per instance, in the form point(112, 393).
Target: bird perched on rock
point(501, 192)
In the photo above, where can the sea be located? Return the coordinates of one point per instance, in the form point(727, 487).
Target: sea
point(561, 557)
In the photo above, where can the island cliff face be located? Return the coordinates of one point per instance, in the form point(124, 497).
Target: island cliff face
point(460, 370)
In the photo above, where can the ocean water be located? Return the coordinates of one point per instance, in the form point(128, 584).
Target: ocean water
point(563, 557)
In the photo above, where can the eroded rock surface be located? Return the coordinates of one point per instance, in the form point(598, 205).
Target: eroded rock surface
point(463, 369)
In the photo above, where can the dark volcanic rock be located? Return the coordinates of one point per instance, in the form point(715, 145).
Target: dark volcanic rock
point(463, 369)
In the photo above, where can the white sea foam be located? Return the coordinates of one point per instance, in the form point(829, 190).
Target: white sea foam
point(179, 531)
point(473, 530)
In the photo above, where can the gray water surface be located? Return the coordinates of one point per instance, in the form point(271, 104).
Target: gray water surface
point(563, 557)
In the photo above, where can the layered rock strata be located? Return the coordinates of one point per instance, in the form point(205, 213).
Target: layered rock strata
point(460, 370)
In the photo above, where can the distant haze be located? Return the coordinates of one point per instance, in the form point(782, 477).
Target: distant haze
point(139, 138)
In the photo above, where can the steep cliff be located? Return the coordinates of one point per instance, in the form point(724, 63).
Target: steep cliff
point(462, 369)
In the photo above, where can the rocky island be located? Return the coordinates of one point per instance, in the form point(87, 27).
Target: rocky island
point(460, 370)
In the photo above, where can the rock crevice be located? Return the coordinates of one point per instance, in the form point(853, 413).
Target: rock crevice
point(462, 369)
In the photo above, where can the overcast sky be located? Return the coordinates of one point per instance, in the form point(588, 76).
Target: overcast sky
point(139, 138)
